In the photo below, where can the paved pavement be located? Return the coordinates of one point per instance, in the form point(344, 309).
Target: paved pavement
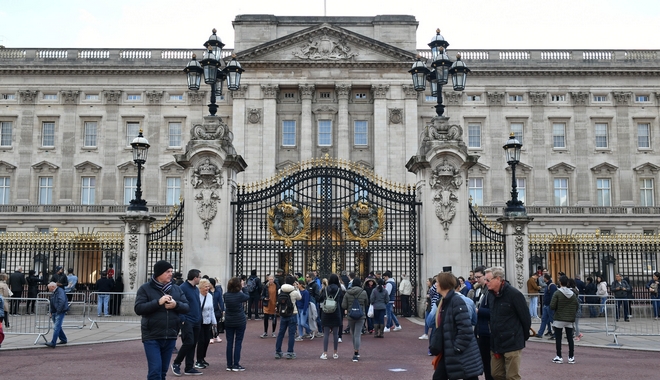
point(114, 349)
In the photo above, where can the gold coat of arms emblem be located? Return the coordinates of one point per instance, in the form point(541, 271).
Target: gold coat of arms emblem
point(363, 222)
point(289, 221)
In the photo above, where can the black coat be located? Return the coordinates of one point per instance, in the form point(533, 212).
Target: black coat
point(157, 321)
point(455, 339)
point(234, 310)
point(509, 320)
point(16, 282)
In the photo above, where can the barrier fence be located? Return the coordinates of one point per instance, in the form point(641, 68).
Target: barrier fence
point(642, 318)
point(35, 322)
point(75, 317)
point(120, 309)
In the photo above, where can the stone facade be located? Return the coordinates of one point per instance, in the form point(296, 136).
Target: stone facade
point(589, 122)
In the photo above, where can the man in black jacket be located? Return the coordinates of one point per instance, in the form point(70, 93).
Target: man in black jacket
point(509, 325)
point(16, 284)
point(159, 303)
point(482, 330)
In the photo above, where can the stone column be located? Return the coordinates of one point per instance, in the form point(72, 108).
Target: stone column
point(344, 141)
point(269, 130)
point(582, 189)
point(25, 148)
point(517, 269)
point(381, 164)
point(241, 140)
point(441, 166)
point(306, 126)
point(410, 124)
point(623, 138)
point(539, 157)
point(112, 143)
point(495, 102)
point(134, 263)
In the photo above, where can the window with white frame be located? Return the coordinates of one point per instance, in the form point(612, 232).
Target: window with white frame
point(130, 185)
point(5, 133)
point(289, 95)
point(558, 98)
point(176, 97)
point(50, 97)
point(173, 191)
point(7, 97)
point(604, 192)
point(360, 95)
point(360, 132)
point(45, 190)
point(175, 134)
point(5, 183)
point(134, 97)
point(521, 184)
point(429, 98)
point(91, 130)
point(601, 135)
point(642, 98)
point(474, 98)
point(325, 133)
point(517, 129)
point(600, 98)
point(288, 133)
point(643, 135)
point(476, 190)
point(646, 195)
point(48, 134)
point(324, 95)
point(561, 191)
point(559, 135)
point(474, 135)
point(88, 191)
point(91, 96)
point(515, 98)
point(132, 131)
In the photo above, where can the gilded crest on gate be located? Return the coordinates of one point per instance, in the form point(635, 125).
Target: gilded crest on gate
point(363, 221)
point(289, 221)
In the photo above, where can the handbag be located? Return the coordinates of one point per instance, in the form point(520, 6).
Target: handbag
point(370, 313)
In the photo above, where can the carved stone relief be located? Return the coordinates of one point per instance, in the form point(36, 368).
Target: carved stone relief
point(410, 92)
point(154, 97)
point(537, 98)
point(207, 180)
point(439, 129)
point(70, 97)
point(343, 90)
point(453, 97)
point(380, 90)
point(132, 257)
point(445, 180)
point(270, 90)
point(396, 115)
point(254, 115)
point(208, 131)
point(112, 96)
point(519, 242)
point(324, 47)
point(27, 96)
point(196, 97)
point(495, 98)
point(622, 98)
point(579, 98)
point(241, 93)
point(306, 91)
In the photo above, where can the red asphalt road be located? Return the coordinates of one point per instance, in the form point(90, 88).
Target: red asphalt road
point(378, 357)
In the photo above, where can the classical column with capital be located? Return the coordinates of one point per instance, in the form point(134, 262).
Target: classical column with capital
point(343, 128)
point(306, 126)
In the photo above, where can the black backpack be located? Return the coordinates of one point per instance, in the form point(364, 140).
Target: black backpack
point(284, 304)
point(355, 312)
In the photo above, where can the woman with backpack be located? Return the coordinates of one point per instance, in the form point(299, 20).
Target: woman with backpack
point(331, 319)
point(355, 304)
point(379, 299)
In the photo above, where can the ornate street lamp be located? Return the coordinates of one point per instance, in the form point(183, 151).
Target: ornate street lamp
point(140, 149)
point(512, 150)
point(438, 75)
point(214, 70)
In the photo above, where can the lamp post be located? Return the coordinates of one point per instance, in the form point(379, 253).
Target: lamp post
point(140, 148)
point(512, 150)
point(438, 75)
point(214, 70)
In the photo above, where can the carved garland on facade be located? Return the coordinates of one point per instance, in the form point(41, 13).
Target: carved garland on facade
point(579, 98)
point(324, 48)
point(380, 90)
point(495, 98)
point(396, 115)
point(132, 257)
point(453, 97)
point(289, 221)
point(446, 180)
point(439, 129)
point(207, 179)
point(27, 96)
point(196, 97)
point(208, 131)
point(622, 98)
point(363, 222)
point(537, 98)
point(519, 243)
point(70, 97)
point(154, 97)
point(254, 115)
point(112, 97)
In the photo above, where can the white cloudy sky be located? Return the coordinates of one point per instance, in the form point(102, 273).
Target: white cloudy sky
point(466, 24)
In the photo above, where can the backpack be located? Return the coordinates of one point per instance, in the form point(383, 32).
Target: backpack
point(355, 312)
point(329, 305)
point(284, 304)
point(251, 284)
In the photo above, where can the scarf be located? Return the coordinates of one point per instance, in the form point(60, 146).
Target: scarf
point(165, 288)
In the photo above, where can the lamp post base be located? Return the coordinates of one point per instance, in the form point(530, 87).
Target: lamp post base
point(138, 205)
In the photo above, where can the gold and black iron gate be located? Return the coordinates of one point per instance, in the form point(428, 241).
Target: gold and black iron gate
point(487, 243)
point(165, 241)
point(326, 215)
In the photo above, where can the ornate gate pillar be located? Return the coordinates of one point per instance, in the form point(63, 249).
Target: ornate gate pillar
point(515, 229)
point(211, 165)
point(134, 263)
point(441, 166)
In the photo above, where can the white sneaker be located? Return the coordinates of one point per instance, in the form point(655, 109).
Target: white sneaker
point(339, 340)
point(424, 336)
point(571, 360)
point(386, 330)
point(324, 356)
point(557, 360)
point(335, 356)
point(397, 328)
point(274, 335)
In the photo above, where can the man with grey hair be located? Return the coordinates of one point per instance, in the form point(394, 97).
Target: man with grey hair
point(58, 308)
point(509, 325)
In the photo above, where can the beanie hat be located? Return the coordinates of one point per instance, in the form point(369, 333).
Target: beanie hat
point(161, 267)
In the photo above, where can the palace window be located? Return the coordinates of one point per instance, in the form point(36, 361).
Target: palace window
point(517, 129)
point(50, 97)
point(132, 131)
point(561, 191)
point(324, 95)
point(173, 191)
point(90, 133)
point(476, 190)
point(516, 98)
point(474, 135)
point(360, 95)
point(134, 97)
point(601, 135)
point(5, 133)
point(289, 95)
point(522, 189)
point(642, 98)
point(558, 98)
point(176, 97)
point(559, 135)
point(175, 134)
point(643, 135)
point(325, 133)
point(88, 191)
point(45, 190)
point(604, 192)
point(600, 98)
point(91, 97)
point(4, 190)
point(474, 98)
point(8, 96)
point(646, 196)
point(360, 132)
point(130, 184)
point(288, 133)
point(48, 134)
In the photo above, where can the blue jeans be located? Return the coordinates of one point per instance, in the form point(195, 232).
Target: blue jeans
point(602, 304)
point(534, 306)
point(546, 320)
point(655, 302)
point(290, 323)
point(58, 318)
point(303, 324)
point(234, 337)
point(391, 318)
point(159, 354)
point(102, 304)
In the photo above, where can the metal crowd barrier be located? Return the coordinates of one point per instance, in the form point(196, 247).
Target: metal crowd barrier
point(28, 323)
point(642, 318)
point(75, 317)
point(120, 307)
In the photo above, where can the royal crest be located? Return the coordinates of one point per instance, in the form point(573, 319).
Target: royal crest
point(363, 221)
point(289, 221)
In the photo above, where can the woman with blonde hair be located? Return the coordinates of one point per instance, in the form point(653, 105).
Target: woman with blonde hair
point(208, 321)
